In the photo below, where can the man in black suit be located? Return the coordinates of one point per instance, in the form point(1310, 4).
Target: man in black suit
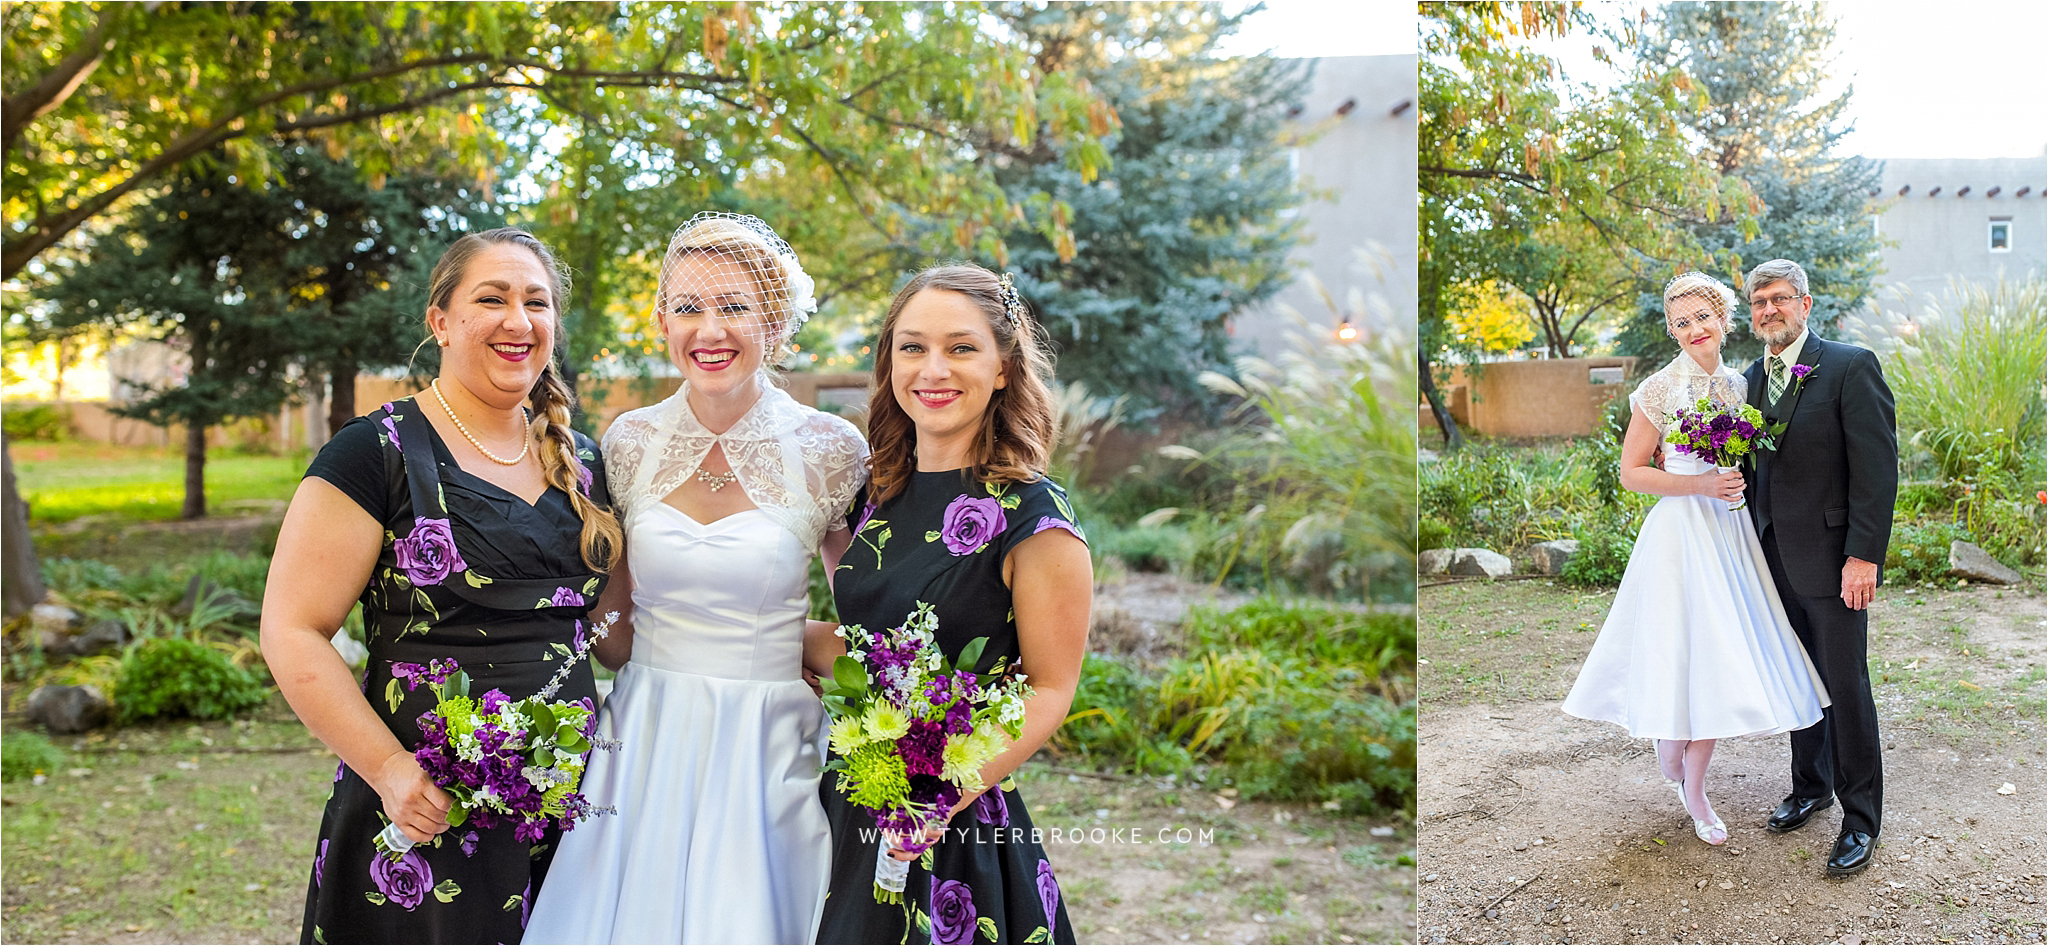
point(1822, 504)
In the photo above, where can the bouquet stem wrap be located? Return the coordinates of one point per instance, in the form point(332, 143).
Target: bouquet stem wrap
point(891, 875)
point(1733, 504)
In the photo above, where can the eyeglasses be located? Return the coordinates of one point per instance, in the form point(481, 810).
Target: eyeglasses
point(1774, 302)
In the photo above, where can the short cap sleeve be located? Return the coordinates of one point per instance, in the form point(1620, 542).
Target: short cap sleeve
point(357, 462)
point(1041, 505)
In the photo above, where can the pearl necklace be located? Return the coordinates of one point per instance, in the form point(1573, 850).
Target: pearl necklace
point(526, 443)
point(717, 481)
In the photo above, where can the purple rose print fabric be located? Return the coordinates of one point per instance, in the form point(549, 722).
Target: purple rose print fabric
point(406, 881)
point(953, 913)
point(1048, 892)
point(428, 555)
point(943, 539)
point(970, 523)
point(496, 604)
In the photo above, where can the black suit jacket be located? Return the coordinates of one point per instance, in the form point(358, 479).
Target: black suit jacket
point(1830, 484)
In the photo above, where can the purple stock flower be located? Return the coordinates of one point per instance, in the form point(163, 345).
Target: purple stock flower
point(320, 865)
point(529, 831)
point(428, 556)
point(411, 674)
point(923, 748)
point(495, 700)
point(1048, 893)
point(391, 430)
point(469, 844)
point(1799, 372)
point(404, 881)
point(959, 718)
point(971, 523)
point(565, 598)
point(993, 808)
point(953, 914)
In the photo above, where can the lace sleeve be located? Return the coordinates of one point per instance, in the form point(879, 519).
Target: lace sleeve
point(837, 456)
point(1653, 398)
point(624, 447)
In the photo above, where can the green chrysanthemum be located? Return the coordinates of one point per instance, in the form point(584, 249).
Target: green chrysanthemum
point(885, 722)
point(847, 735)
point(875, 773)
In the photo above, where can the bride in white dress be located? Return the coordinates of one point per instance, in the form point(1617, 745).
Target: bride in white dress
point(1697, 646)
point(719, 835)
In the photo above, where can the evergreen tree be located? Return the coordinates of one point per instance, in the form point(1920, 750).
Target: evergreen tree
point(1762, 66)
point(1185, 225)
point(197, 268)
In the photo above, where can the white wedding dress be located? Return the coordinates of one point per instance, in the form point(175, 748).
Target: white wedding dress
point(719, 836)
point(1697, 645)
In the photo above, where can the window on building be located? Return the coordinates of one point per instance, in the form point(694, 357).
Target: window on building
point(2001, 234)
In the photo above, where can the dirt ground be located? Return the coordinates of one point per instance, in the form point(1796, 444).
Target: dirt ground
point(1536, 827)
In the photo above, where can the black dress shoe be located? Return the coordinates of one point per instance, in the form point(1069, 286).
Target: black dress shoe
point(1794, 811)
point(1853, 851)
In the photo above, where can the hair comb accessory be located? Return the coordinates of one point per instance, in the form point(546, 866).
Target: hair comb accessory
point(1013, 304)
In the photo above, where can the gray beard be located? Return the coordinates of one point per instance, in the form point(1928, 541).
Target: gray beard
point(1779, 340)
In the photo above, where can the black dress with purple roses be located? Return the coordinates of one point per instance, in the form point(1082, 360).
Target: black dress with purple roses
point(942, 541)
point(472, 573)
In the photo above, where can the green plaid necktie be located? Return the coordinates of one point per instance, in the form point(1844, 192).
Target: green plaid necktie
point(1776, 368)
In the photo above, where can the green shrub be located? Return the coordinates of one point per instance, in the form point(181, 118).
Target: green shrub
point(1602, 558)
point(1285, 700)
point(1432, 533)
point(48, 422)
point(1145, 548)
point(1919, 551)
point(1925, 500)
point(1968, 380)
point(27, 754)
point(177, 677)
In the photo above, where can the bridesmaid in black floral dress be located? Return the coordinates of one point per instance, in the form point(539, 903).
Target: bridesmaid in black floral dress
point(467, 533)
point(958, 514)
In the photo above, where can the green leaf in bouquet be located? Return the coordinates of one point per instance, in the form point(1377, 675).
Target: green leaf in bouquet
point(458, 684)
point(834, 703)
point(543, 718)
point(848, 673)
point(457, 814)
point(971, 654)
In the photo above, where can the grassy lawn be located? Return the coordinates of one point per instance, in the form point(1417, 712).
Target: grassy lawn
point(169, 833)
point(64, 481)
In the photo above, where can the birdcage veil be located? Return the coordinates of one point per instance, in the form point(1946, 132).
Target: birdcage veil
point(1695, 285)
point(733, 268)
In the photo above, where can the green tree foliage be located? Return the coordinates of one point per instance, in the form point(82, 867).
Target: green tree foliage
point(1762, 67)
point(196, 268)
point(1510, 154)
point(1185, 227)
point(881, 106)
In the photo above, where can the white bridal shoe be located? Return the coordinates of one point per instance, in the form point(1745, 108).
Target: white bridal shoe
point(1707, 832)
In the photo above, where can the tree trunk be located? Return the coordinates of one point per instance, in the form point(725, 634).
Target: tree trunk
point(21, 575)
point(341, 397)
point(1453, 439)
point(195, 472)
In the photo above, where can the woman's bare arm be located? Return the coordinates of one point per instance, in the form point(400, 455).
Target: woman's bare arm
point(325, 552)
point(616, 647)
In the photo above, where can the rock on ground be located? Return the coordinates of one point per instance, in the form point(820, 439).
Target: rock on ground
point(1548, 558)
point(68, 709)
point(1968, 561)
point(1481, 562)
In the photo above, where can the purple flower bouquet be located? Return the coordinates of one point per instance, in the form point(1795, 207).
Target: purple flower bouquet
point(1720, 435)
point(912, 731)
point(503, 759)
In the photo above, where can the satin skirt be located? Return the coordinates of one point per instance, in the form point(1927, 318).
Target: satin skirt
point(719, 835)
point(1697, 645)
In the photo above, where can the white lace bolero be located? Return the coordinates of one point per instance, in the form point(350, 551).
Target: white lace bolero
point(801, 466)
point(1681, 384)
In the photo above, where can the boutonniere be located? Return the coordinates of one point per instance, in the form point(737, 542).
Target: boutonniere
point(1800, 374)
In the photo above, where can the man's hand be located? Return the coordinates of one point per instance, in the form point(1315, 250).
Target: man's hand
point(1859, 583)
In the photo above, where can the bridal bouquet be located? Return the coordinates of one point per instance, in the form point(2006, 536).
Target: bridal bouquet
point(1719, 435)
point(912, 731)
point(500, 758)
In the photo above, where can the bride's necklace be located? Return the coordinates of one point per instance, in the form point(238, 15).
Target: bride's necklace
point(717, 481)
point(526, 442)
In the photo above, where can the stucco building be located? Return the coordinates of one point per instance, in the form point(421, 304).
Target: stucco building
point(1973, 219)
point(1359, 175)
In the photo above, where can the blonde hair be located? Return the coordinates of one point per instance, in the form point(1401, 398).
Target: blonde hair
point(727, 237)
point(1017, 433)
point(553, 401)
